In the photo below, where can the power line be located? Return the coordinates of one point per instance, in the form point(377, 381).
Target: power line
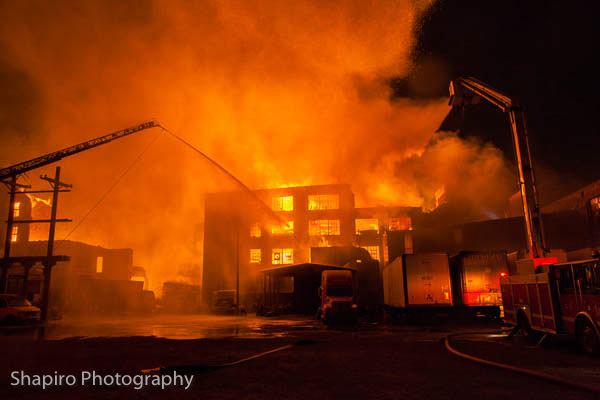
point(110, 189)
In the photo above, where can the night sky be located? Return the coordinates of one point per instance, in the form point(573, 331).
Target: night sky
point(545, 54)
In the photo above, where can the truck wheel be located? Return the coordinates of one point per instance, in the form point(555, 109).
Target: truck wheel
point(529, 334)
point(587, 339)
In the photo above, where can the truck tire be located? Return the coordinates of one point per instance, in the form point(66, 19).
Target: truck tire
point(529, 334)
point(587, 338)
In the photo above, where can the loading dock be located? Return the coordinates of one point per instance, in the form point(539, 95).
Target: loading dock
point(303, 280)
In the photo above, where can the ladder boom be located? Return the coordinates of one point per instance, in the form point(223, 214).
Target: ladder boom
point(467, 91)
point(34, 163)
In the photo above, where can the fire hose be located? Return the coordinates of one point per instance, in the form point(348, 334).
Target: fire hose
point(526, 371)
point(196, 369)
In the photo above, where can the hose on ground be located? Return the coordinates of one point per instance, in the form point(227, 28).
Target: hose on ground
point(537, 374)
point(198, 369)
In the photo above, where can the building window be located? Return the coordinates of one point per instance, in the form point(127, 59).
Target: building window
point(400, 224)
point(14, 234)
point(283, 203)
point(283, 256)
point(323, 201)
point(324, 227)
point(373, 251)
point(366, 224)
point(17, 209)
point(99, 264)
point(255, 256)
point(595, 205)
point(255, 230)
point(283, 229)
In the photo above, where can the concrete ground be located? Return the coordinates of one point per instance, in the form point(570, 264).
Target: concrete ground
point(368, 361)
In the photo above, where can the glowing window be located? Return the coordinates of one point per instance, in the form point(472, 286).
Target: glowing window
point(283, 203)
point(323, 201)
point(255, 230)
point(373, 251)
point(366, 224)
point(99, 264)
point(322, 227)
point(17, 208)
point(400, 224)
point(255, 256)
point(14, 234)
point(595, 205)
point(287, 229)
point(283, 256)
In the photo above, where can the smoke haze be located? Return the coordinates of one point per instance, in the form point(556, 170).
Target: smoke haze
point(279, 93)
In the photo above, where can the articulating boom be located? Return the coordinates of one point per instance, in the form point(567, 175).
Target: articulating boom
point(466, 91)
point(23, 167)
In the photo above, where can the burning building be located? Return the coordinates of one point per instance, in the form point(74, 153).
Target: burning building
point(237, 233)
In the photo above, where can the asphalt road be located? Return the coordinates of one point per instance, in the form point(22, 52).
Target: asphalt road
point(369, 361)
point(169, 326)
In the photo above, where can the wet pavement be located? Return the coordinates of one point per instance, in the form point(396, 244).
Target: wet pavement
point(169, 327)
point(556, 356)
point(369, 359)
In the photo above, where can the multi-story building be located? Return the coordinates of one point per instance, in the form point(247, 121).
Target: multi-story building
point(239, 234)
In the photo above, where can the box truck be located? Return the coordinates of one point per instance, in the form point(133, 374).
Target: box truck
point(418, 280)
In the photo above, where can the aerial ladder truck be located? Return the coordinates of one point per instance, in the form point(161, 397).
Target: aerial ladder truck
point(540, 296)
point(468, 91)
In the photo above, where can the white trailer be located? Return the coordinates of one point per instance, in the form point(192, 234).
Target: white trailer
point(418, 280)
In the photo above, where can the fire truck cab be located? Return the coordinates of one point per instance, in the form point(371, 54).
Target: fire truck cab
point(562, 298)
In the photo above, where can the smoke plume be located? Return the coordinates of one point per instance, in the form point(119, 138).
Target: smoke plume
point(279, 93)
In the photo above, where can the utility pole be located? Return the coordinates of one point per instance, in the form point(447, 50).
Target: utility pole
point(29, 261)
point(49, 262)
point(9, 228)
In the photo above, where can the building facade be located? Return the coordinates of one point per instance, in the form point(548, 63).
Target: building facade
point(240, 235)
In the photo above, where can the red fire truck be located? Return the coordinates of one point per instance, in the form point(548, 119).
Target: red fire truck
point(561, 298)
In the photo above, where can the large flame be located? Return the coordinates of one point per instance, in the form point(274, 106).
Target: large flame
point(280, 93)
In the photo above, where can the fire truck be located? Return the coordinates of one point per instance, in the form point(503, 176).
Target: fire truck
point(561, 298)
point(540, 294)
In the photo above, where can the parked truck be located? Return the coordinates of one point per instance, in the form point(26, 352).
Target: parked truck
point(417, 280)
point(476, 281)
point(338, 296)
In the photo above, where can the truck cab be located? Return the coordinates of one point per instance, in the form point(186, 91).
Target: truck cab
point(338, 296)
